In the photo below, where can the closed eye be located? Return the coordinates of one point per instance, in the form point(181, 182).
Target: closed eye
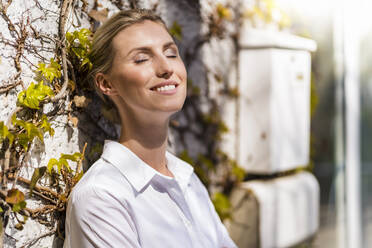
point(171, 53)
point(141, 57)
point(139, 61)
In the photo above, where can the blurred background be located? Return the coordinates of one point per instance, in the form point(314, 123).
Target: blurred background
point(342, 121)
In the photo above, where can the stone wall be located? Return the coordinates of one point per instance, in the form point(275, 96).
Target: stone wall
point(210, 61)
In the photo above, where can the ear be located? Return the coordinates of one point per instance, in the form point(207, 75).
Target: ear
point(103, 83)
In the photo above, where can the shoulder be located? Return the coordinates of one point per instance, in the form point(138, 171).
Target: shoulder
point(101, 182)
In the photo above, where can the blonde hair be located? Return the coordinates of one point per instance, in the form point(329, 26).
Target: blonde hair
point(102, 52)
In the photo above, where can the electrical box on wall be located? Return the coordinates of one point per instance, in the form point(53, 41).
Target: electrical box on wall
point(274, 103)
point(280, 212)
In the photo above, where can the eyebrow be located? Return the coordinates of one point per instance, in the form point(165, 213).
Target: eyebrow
point(165, 46)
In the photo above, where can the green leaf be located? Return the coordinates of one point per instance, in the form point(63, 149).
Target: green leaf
point(185, 157)
point(1, 210)
point(38, 173)
point(32, 96)
point(73, 157)
point(28, 102)
point(79, 52)
point(23, 140)
point(69, 37)
point(86, 61)
point(206, 161)
point(223, 12)
point(50, 72)
point(222, 205)
point(32, 131)
point(18, 206)
point(52, 162)
point(25, 218)
point(222, 127)
point(95, 150)
point(238, 172)
point(46, 126)
point(79, 44)
point(62, 162)
point(4, 133)
point(14, 196)
point(176, 30)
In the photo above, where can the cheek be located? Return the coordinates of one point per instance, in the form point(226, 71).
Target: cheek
point(181, 71)
point(133, 78)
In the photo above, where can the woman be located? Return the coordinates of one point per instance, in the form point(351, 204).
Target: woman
point(138, 194)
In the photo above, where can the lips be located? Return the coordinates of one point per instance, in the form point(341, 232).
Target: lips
point(165, 86)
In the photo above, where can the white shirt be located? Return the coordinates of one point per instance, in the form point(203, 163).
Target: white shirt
point(123, 202)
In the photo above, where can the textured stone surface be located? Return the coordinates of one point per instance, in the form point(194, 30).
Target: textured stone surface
point(92, 127)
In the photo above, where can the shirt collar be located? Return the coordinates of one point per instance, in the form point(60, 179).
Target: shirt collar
point(138, 173)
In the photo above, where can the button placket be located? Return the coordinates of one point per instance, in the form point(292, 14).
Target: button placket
point(176, 194)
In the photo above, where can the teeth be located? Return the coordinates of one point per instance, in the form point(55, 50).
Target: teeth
point(165, 88)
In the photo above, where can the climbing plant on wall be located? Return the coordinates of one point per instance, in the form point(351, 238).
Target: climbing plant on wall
point(59, 87)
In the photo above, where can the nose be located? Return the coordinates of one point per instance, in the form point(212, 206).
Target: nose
point(163, 67)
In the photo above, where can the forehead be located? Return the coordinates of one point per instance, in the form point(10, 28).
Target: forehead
point(144, 34)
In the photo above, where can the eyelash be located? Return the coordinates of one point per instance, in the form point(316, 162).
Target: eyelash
point(140, 61)
point(143, 60)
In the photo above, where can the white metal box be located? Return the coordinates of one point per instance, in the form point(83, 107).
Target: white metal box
point(281, 212)
point(274, 105)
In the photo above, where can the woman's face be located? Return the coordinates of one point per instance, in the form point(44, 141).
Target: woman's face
point(147, 74)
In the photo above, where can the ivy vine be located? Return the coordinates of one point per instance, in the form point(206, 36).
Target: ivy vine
point(61, 81)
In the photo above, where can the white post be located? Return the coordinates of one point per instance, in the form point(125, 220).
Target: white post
point(352, 25)
point(338, 39)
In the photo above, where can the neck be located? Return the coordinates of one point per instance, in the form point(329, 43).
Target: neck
point(147, 138)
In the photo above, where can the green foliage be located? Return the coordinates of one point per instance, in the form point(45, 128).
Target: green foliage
point(233, 92)
point(73, 157)
point(79, 44)
point(176, 30)
point(19, 206)
point(95, 150)
point(222, 205)
point(77, 177)
point(214, 118)
point(50, 71)
point(313, 95)
point(46, 126)
point(266, 10)
point(16, 198)
point(38, 173)
point(192, 89)
point(238, 172)
point(34, 94)
point(20, 223)
point(31, 130)
point(186, 157)
point(4, 133)
point(206, 161)
point(223, 12)
point(222, 127)
point(62, 162)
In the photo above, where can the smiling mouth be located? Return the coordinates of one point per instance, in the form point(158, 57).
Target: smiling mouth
point(164, 88)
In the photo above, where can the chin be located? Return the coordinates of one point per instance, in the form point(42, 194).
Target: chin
point(172, 109)
point(173, 106)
